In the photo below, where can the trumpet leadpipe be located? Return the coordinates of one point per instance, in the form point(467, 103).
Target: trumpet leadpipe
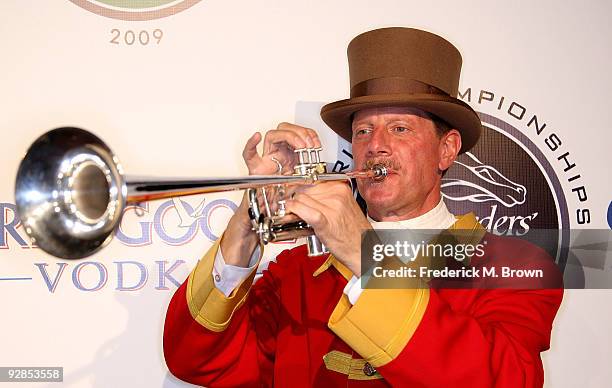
point(140, 189)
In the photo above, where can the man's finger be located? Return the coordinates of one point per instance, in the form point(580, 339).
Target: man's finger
point(313, 202)
point(309, 135)
point(309, 209)
point(277, 137)
point(249, 153)
point(322, 189)
point(311, 215)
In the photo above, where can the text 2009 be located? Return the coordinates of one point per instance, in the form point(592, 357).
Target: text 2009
point(141, 38)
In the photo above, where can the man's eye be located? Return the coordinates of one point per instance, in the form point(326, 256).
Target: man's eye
point(361, 132)
point(400, 129)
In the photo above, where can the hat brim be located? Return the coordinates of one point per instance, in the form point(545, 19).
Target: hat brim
point(456, 113)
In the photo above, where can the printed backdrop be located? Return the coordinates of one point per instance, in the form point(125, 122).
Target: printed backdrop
point(175, 87)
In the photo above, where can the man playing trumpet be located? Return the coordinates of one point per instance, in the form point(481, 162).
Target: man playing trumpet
point(307, 321)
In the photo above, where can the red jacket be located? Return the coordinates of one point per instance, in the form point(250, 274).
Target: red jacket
point(295, 328)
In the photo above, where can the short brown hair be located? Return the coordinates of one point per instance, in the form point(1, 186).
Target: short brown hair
point(442, 127)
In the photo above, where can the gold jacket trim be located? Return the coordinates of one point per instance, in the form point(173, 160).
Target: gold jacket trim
point(354, 368)
point(207, 305)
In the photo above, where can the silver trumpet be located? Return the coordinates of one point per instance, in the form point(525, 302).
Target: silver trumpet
point(71, 191)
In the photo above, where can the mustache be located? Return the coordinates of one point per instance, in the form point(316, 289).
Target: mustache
point(390, 164)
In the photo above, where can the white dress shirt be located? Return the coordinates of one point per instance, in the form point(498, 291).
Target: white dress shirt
point(228, 277)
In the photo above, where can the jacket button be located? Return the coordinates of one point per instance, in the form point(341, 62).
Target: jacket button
point(368, 369)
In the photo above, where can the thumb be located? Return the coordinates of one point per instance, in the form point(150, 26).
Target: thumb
point(249, 154)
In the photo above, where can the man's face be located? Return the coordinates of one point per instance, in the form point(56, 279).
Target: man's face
point(404, 140)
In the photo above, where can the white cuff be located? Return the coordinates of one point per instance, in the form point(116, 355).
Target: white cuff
point(228, 277)
point(353, 289)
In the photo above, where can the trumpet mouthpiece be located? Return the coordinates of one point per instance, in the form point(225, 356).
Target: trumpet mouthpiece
point(380, 172)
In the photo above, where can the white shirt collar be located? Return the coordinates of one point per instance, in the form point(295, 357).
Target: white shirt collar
point(437, 218)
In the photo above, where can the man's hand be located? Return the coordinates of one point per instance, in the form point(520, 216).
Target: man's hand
point(279, 144)
point(239, 241)
point(337, 219)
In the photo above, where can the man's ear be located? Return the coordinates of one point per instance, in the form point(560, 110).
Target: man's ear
point(450, 144)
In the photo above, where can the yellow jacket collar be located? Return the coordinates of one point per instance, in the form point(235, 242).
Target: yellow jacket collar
point(332, 261)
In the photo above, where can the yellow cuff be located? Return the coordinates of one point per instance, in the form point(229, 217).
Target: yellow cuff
point(381, 323)
point(207, 305)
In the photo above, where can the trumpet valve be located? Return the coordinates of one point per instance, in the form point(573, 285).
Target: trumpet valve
point(310, 163)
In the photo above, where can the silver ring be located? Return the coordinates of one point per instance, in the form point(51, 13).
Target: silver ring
point(280, 166)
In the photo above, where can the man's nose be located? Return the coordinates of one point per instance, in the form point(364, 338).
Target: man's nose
point(380, 142)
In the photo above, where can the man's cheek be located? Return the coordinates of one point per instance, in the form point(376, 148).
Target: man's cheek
point(358, 160)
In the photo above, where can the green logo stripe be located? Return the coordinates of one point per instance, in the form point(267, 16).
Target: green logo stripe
point(135, 4)
point(135, 10)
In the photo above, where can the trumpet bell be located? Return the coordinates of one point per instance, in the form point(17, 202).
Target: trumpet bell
point(70, 193)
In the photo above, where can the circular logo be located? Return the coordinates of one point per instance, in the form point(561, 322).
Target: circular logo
point(510, 186)
point(610, 215)
point(135, 10)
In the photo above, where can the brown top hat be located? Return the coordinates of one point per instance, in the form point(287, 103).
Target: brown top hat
point(404, 67)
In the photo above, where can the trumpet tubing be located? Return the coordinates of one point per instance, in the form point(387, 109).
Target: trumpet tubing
point(71, 191)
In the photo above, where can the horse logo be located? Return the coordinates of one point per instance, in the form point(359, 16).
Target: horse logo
point(485, 184)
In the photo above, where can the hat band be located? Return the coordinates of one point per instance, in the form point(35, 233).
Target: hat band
point(393, 85)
